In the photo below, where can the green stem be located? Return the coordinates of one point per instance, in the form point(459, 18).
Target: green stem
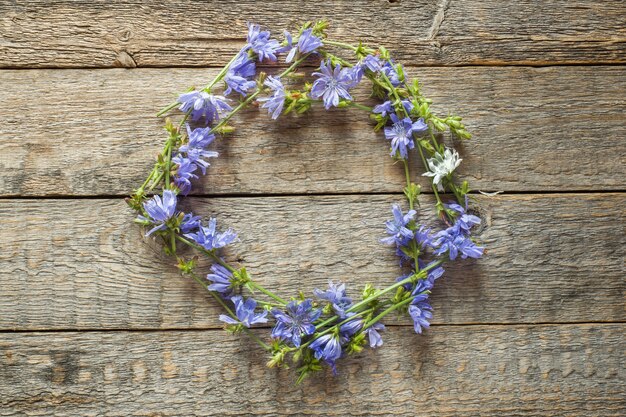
point(168, 164)
point(222, 122)
point(217, 78)
point(220, 261)
point(419, 145)
point(421, 274)
point(408, 181)
point(340, 44)
point(434, 140)
point(156, 182)
point(229, 311)
point(387, 311)
point(360, 106)
point(433, 186)
point(221, 74)
point(209, 253)
point(167, 109)
point(252, 96)
point(330, 329)
point(145, 183)
point(267, 292)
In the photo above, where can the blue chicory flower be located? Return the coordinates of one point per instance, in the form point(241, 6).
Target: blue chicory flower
point(261, 44)
point(336, 296)
point(184, 173)
point(370, 62)
point(386, 108)
point(244, 310)
point(332, 84)
point(327, 348)
point(221, 280)
point(238, 76)
point(464, 220)
point(423, 284)
point(356, 73)
point(210, 239)
point(307, 43)
point(456, 238)
point(274, 103)
point(401, 134)
point(390, 71)
point(200, 137)
point(350, 328)
point(198, 140)
point(374, 337)
point(203, 105)
point(454, 241)
point(296, 321)
point(420, 313)
point(424, 238)
point(373, 63)
point(396, 228)
point(190, 223)
point(159, 210)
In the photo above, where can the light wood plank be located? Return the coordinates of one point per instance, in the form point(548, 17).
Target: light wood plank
point(568, 370)
point(178, 33)
point(94, 133)
point(82, 264)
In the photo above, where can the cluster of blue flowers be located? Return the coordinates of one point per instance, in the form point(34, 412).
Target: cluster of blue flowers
point(330, 324)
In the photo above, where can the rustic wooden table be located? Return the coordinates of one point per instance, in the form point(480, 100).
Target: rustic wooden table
point(95, 321)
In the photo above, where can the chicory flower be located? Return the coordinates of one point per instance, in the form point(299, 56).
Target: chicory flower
point(244, 310)
point(159, 210)
point(296, 321)
point(209, 238)
point(307, 43)
point(332, 84)
point(274, 103)
point(442, 165)
point(203, 105)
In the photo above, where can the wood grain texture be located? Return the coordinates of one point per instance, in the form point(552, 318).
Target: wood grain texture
point(82, 264)
point(570, 370)
point(178, 33)
point(94, 133)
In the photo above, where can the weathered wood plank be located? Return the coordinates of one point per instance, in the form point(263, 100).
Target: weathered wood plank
point(68, 264)
point(177, 33)
point(566, 370)
point(535, 129)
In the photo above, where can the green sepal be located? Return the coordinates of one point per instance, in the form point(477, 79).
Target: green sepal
point(356, 344)
point(241, 278)
point(279, 353)
point(424, 143)
point(384, 53)
point(439, 124)
point(225, 129)
point(234, 328)
point(187, 267)
point(412, 192)
point(170, 128)
point(309, 365)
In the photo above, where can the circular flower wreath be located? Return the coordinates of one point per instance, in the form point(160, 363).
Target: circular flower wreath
point(331, 324)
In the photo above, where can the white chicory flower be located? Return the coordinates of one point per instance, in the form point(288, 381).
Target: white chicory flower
point(442, 165)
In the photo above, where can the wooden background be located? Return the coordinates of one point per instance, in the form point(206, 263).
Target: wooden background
point(95, 321)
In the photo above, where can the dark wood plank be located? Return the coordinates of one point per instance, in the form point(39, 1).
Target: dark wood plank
point(568, 370)
point(82, 264)
point(94, 133)
point(177, 33)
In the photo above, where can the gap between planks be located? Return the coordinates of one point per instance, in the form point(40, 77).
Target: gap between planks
point(546, 64)
point(396, 325)
point(313, 194)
